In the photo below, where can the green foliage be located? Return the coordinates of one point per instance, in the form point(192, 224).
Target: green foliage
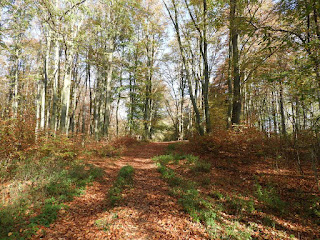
point(192, 159)
point(50, 182)
point(60, 148)
point(314, 209)
point(102, 224)
point(238, 205)
point(171, 147)
point(267, 221)
point(270, 197)
point(216, 195)
point(124, 180)
point(8, 220)
point(49, 212)
point(200, 208)
point(189, 198)
point(126, 173)
point(233, 232)
point(201, 166)
point(169, 158)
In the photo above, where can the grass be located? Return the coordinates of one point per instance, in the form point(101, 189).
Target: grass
point(37, 191)
point(170, 158)
point(200, 207)
point(201, 167)
point(270, 198)
point(123, 180)
point(188, 196)
point(237, 205)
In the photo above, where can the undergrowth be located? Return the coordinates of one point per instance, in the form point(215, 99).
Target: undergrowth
point(50, 183)
point(124, 180)
point(112, 148)
point(37, 178)
point(270, 197)
point(201, 208)
point(227, 215)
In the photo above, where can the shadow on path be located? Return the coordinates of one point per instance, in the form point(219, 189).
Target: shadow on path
point(146, 211)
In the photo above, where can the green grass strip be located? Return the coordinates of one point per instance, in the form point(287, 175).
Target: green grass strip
point(124, 180)
point(200, 209)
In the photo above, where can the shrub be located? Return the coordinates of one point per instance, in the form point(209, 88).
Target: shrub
point(169, 158)
point(270, 197)
point(314, 209)
point(229, 141)
point(203, 144)
point(192, 159)
point(124, 142)
point(105, 150)
point(238, 205)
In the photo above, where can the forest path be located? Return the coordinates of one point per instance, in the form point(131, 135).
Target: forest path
point(145, 212)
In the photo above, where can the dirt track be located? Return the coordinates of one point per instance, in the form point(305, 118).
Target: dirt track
point(146, 212)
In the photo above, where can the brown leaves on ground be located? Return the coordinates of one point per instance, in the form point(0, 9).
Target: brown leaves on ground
point(145, 212)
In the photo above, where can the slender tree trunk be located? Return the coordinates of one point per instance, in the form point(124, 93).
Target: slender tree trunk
point(107, 109)
point(236, 108)
point(65, 95)
point(55, 98)
point(274, 112)
point(182, 100)
point(38, 113)
point(44, 82)
point(283, 118)
point(148, 91)
point(230, 91)
point(96, 108)
point(15, 99)
point(186, 66)
point(131, 85)
point(206, 70)
point(118, 103)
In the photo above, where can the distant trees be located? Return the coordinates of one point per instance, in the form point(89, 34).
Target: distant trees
point(143, 67)
point(79, 48)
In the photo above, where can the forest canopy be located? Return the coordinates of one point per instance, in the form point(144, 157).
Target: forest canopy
point(160, 69)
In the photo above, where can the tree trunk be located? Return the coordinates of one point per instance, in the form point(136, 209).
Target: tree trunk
point(236, 108)
point(107, 110)
point(186, 67)
point(55, 98)
point(230, 91)
point(118, 103)
point(283, 119)
point(44, 82)
point(15, 100)
point(65, 95)
point(206, 70)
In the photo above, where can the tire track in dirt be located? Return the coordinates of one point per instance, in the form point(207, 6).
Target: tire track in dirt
point(146, 211)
